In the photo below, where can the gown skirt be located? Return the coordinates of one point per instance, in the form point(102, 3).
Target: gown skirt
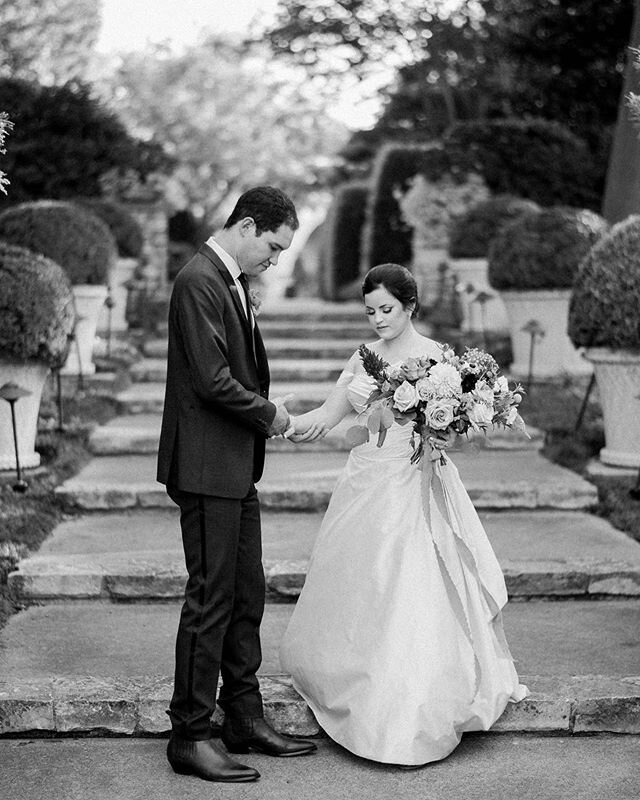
point(396, 641)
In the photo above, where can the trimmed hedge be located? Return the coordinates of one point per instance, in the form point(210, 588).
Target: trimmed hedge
point(386, 237)
point(36, 307)
point(67, 234)
point(536, 159)
point(543, 249)
point(471, 233)
point(343, 238)
point(605, 305)
point(124, 227)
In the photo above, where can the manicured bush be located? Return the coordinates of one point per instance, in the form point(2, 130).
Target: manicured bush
point(66, 233)
point(36, 307)
point(124, 227)
point(471, 233)
point(386, 236)
point(605, 305)
point(343, 236)
point(536, 159)
point(543, 249)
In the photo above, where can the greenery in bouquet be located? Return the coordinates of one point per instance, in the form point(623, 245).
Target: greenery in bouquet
point(443, 399)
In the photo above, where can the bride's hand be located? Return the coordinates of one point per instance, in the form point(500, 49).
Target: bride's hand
point(308, 428)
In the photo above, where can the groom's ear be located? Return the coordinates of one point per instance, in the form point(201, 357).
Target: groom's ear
point(246, 224)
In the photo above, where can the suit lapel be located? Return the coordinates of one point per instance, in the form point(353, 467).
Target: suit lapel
point(235, 296)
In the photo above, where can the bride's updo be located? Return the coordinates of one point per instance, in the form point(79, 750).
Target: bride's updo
point(397, 280)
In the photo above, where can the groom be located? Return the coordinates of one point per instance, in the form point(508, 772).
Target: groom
point(212, 444)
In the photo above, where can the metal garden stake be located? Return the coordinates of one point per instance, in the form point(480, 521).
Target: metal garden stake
point(11, 392)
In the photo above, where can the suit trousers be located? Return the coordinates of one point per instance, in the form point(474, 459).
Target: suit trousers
point(219, 629)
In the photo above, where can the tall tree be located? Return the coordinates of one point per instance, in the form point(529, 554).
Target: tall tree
point(228, 117)
point(50, 41)
point(622, 192)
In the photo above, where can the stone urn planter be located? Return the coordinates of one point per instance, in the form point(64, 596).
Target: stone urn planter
point(82, 244)
point(554, 353)
point(31, 378)
point(532, 263)
point(89, 301)
point(35, 325)
point(604, 318)
point(473, 282)
point(618, 378)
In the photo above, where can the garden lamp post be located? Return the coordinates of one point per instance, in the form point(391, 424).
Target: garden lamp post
point(482, 298)
point(535, 331)
point(109, 303)
point(11, 392)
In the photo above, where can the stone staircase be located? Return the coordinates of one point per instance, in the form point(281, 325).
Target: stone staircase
point(92, 649)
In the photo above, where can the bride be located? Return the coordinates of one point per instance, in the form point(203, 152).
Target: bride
point(396, 642)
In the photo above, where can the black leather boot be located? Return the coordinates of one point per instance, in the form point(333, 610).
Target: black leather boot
point(242, 735)
point(207, 761)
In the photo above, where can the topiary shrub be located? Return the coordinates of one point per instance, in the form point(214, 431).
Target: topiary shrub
point(471, 233)
point(36, 307)
point(604, 307)
point(124, 227)
point(343, 236)
point(536, 159)
point(543, 249)
point(386, 236)
point(67, 234)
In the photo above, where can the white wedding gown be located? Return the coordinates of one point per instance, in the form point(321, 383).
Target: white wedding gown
point(396, 642)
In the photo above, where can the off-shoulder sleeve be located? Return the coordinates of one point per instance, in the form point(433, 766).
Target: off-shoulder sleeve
point(347, 374)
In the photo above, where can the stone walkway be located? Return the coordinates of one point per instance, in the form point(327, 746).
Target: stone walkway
point(92, 649)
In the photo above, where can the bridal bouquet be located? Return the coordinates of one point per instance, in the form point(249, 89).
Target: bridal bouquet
point(442, 398)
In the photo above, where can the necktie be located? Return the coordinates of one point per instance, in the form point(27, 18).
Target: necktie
point(242, 280)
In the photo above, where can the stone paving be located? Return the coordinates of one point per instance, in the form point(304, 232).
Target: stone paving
point(92, 649)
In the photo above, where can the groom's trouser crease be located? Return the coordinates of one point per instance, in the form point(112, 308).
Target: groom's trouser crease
point(224, 601)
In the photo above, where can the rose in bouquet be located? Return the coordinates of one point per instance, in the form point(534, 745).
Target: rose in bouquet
point(442, 399)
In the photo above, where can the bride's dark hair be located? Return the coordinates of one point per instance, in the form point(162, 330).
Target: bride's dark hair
point(397, 280)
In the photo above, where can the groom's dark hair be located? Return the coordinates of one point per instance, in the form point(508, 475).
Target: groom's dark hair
point(267, 206)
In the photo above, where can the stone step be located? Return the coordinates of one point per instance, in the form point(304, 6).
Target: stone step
point(311, 311)
point(275, 329)
point(303, 482)
point(154, 370)
point(148, 398)
point(139, 434)
point(138, 556)
point(293, 348)
point(82, 667)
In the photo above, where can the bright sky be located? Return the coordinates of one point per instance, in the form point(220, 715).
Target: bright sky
point(129, 24)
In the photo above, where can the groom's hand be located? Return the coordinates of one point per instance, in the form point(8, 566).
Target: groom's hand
point(282, 420)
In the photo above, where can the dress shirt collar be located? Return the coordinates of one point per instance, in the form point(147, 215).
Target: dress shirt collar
point(230, 263)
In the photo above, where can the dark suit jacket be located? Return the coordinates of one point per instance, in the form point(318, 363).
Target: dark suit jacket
point(216, 412)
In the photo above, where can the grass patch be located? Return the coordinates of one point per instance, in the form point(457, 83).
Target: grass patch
point(555, 409)
point(26, 520)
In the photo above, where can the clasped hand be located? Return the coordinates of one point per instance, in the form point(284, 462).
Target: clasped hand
point(297, 429)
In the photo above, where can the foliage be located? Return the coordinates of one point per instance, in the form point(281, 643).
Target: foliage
point(65, 140)
point(606, 294)
point(124, 227)
point(543, 249)
point(235, 120)
point(47, 40)
point(36, 307)
point(535, 159)
point(386, 235)
point(67, 234)
point(430, 207)
point(184, 227)
point(343, 237)
point(471, 232)
point(5, 127)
